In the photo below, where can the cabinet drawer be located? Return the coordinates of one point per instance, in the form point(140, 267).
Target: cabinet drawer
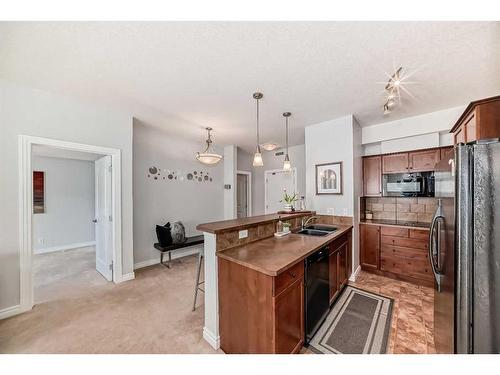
point(398, 252)
point(285, 279)
point(420, 234)
point(336, 244)
point(405, 242)
point(416, 268)
point(392, 231)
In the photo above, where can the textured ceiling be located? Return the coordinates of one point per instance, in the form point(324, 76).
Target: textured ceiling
point(183, 76)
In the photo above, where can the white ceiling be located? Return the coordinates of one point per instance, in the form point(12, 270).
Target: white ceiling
point(183, 76)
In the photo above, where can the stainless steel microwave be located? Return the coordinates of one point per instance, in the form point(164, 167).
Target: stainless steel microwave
point(408, 184)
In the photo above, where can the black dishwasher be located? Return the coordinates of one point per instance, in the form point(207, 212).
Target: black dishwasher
point(317, 291)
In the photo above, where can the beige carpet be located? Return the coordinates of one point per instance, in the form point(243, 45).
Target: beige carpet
point(151, 314)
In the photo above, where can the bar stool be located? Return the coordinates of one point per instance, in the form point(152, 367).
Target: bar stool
point(198, 282)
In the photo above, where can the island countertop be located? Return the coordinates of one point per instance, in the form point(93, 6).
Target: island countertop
point(272, 255)
point(221, 226)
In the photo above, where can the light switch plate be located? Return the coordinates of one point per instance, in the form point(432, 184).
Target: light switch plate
point(243, 233)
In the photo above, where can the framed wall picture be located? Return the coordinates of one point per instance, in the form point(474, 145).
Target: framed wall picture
point(38, 192)
point(329, 178)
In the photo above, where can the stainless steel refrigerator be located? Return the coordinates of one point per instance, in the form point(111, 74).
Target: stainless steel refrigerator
point(464, 250)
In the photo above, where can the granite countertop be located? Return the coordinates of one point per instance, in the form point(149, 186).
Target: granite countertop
point(272, 256)
point(220, 226)
point(396, 223)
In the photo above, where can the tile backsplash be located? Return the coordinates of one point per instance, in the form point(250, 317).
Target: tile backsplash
point(417, 209)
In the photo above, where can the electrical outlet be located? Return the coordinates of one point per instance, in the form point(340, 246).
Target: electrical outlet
point(243, 234)
point(330, 211)
point(345, 212)
point(41, 241)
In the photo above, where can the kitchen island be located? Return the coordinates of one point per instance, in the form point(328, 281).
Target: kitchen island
point(254, 292)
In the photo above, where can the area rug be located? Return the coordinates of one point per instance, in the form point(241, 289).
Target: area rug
point(358, 323)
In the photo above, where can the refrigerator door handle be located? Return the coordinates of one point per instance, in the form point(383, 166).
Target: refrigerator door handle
point(432, 251)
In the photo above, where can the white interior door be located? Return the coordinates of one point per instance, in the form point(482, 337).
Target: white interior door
point(241, 195)
point(276, 181)
point(103, 209)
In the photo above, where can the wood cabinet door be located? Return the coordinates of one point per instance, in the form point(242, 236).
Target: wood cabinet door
point(289, 318)
point(445, 151)
point(460, 135)
point(370, 246)
point(395, 163)
point(423, 161)
point(342, 265)
point(470, 128)
point(334, 276)
point(372, 176)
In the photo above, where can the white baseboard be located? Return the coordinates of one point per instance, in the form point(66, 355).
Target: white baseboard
point(175, 255)
point(64, 247)
point(126, 277)
point(355, 274)
point(10, 311)
point(211, 339)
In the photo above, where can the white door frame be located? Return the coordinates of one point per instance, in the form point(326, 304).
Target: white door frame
point(266, 173)
point(249, 190)
point(26, 209)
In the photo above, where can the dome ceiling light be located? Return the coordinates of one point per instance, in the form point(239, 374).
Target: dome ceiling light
point(209, 156)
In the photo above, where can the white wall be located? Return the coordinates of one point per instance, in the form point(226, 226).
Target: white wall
point(39, 113)
point(159, 201)
point(271, 161)
point(69, 203)
point(330, 141)
point(412, 133)
point(230, 166)
point(333, 141)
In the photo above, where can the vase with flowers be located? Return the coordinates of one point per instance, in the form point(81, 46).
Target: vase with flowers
point(288, 200)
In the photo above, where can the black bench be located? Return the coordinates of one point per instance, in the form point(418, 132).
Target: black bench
point(190, 241)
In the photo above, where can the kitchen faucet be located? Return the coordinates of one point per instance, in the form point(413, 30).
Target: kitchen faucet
point(308, 220)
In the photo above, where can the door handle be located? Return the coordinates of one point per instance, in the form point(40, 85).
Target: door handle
point(94, 220)
point(435, 270)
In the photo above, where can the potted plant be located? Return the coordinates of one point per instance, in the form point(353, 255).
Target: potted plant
point(288, 199)
point(286, 227)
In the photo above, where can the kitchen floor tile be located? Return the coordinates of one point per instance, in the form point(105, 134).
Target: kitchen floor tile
point(412, 326)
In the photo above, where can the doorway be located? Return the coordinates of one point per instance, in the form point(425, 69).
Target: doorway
point(108, 243)
point(275, 181)
point(243, 194)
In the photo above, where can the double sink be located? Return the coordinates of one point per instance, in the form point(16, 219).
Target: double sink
point(317, 230)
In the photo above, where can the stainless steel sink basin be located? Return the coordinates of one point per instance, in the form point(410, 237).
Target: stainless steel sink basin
point(313, 232)
point(325, 228)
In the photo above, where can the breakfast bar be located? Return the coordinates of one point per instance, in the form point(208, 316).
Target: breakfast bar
point(251, 276)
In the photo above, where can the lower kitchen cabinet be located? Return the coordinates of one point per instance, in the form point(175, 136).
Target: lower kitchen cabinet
point(398, 252)
point(338, 264)
point(369, 246)
point(259, 313)
point(289, 318)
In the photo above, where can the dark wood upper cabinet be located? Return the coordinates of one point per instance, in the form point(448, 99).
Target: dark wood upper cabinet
point(423, 161)
point(480, 120)
point(370, 246)
point(445, 151)
point(372, 176)
point(395, 163)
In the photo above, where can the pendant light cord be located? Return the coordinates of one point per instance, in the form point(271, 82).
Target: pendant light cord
point(258, 145)
point(286, 135)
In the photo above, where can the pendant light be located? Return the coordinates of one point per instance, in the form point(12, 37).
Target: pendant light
point(257, 158)
point(209, 156)
point(287, 166)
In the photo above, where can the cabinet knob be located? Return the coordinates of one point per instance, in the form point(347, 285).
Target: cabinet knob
point(293, 274)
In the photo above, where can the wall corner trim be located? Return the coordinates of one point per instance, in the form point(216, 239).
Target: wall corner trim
point(355, 274)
